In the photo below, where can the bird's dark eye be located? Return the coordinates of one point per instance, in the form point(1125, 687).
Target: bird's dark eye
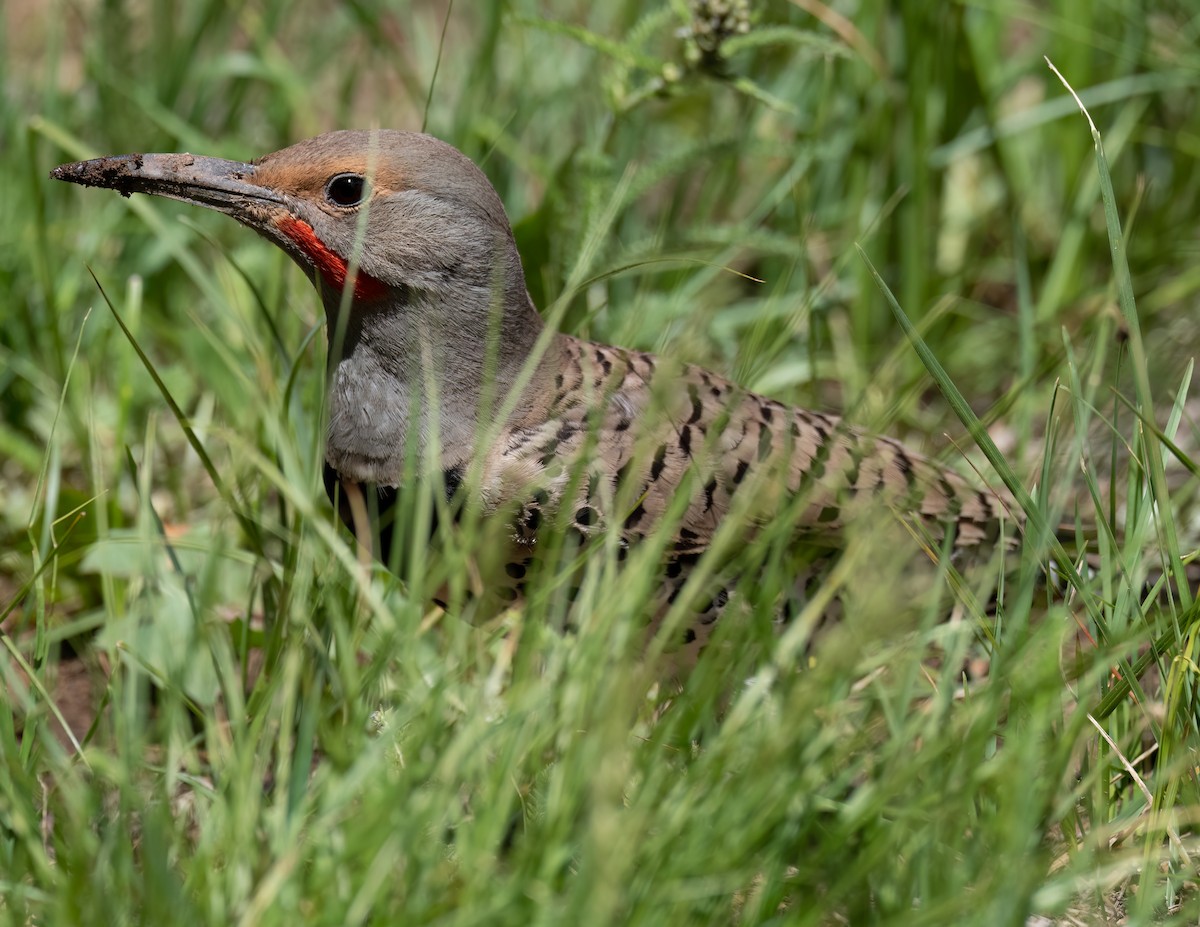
point(346, 189)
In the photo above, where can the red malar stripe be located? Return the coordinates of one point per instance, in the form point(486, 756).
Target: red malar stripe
point(331, 265)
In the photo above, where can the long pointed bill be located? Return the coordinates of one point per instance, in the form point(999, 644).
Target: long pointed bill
point(228, 187)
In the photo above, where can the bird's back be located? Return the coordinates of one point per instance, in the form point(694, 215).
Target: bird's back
point(631, 441)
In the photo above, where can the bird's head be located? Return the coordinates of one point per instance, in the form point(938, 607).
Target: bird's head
point(409, 235)
point(385, 212)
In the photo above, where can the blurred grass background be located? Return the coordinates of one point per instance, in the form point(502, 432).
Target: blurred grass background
point(497, 775)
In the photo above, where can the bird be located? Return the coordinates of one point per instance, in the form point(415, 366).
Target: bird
point(437, 354)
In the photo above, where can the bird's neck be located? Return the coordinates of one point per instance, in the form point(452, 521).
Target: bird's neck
point(418, 374)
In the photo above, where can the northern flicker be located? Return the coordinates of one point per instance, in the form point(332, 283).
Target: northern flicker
point(415, 261)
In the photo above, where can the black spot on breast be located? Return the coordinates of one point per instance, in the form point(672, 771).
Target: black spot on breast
point(953, 501)
point(709, 488)
point(685, 440)
point(622, 425)
point(689, 636)
point(827, 514)
point(855, 466)
point(547, 452)
point(660, 460)
point(452, 479)
point(674, 568)
point(635, 516)
point(716, 603)
point(740, 473)
point(515, 570)
point(905, 465)
point(586, 515)
point(764, 442)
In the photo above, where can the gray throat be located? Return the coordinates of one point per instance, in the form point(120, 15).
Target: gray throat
point(407, 378)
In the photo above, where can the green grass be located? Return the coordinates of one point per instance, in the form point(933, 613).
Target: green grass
point(393, 764)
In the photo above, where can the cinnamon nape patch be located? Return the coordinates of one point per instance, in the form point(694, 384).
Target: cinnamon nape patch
point(332, 266)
